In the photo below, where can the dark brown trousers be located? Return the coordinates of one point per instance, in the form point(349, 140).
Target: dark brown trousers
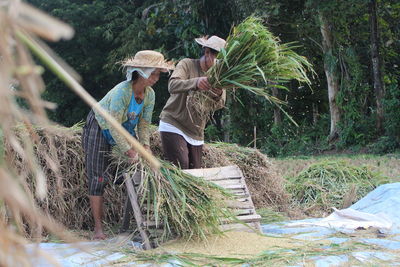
point(179, 152)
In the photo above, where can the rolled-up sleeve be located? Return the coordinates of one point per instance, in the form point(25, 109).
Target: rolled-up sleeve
point(179, 81)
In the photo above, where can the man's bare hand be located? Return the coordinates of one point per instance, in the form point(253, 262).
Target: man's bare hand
point(203, 84)
point(216, 92)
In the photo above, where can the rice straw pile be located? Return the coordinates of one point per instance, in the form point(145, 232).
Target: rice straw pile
point(67, 194)
point(180, 204)
point(328, 184)
point(266, 186)
point(254, 60)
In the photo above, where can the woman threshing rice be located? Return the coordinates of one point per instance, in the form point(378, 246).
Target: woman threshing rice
point(182, 130)
point(131, 103)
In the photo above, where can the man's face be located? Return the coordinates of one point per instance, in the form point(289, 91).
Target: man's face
point(209, 56)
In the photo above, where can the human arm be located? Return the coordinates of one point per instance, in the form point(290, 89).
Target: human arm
point(143, 128)
point(117, 104)
point(180, 81)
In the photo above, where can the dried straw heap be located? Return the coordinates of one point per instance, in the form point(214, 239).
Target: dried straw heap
point(253, 60)
point(327, 184)
point(67, 199)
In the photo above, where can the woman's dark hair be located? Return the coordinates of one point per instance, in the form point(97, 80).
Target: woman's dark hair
point(135, 75)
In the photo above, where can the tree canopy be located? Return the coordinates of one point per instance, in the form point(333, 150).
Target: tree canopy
point(108, 31)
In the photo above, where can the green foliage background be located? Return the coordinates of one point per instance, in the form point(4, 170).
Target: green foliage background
point(108, 31)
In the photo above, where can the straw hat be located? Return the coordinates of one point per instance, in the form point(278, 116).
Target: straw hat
point(148, 59)
point(214, 42)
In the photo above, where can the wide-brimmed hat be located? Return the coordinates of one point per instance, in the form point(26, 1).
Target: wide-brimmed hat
point(148, 59)
point(214, 42)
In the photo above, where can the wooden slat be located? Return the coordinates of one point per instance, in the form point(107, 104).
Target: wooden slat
point(246, 199)
point(240, 227)
point(250, 218)
point(136, 211)
point(241, 212)
point(230, 178)
point(241, 195)
point(216, 173)
point(238, 204)
point(224, 183)
point(235, 187)
point(137, 178)
point(150, 224)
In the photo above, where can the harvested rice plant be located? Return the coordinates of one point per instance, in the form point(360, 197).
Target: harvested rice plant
point(328, 184)
point(327, 76)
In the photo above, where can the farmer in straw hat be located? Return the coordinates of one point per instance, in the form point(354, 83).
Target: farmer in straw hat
point(131, 103)
point(182, 133)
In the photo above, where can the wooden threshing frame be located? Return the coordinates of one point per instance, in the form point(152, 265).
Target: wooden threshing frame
point(228, 177)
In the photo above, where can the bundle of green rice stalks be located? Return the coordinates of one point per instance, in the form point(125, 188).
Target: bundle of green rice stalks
point(254, 60)
point(329, 184)
point(180, 204)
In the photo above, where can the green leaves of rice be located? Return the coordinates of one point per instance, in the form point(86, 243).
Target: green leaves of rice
point(253, 60)
point(254, 57)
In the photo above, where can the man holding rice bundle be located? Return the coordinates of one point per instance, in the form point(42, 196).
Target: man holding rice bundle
point(131, 103)
point(181, 130)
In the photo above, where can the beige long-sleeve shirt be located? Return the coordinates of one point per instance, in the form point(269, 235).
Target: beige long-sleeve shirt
point(175, 112)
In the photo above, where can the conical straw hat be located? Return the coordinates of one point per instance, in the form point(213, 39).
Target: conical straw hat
point(148, 59)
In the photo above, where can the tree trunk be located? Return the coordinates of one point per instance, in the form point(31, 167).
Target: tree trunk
point(226, 118)
point(376, 65)
point(315, 114)
point(331, 76)
point(277, 111)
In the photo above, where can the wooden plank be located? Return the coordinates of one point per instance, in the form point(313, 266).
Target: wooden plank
point(136, 211)
point(127, 216)
point(234, 186)
point(245, 199)
point(250, 218)
point(216, 173)
point(151, 224)
point(238, 204)
point(242, 195)
point(244, 218)
point(137, 178)
point(224, 183)
point(240, 227)
point(239, 192)
point(257, 217)
point(241, 212)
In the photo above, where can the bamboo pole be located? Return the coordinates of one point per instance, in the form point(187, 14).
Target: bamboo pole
point(80, 91)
